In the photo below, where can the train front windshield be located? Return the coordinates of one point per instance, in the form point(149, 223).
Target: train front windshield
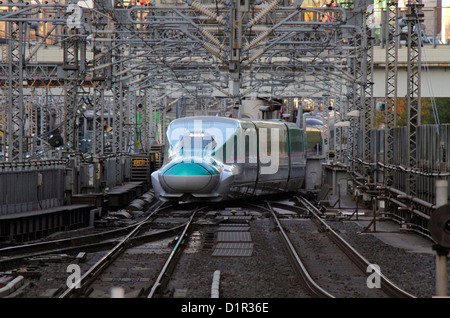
point(195, 145)
point(199, 138)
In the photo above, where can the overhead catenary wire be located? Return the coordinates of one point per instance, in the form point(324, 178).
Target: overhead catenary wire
point(428, 77)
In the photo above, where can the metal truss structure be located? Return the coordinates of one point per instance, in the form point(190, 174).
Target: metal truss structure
point(414, 18)
point(118, 56)
point(368, 101)
point(390, 101)
point(121, 65)
point(126, 62)
point(199, 43)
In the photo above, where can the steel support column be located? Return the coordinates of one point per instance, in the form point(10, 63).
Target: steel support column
point(414, 17)
point(16, 110)
point(368, 102)
point(118, 86)
point(390, 99)
point(101, 57)
point(71, 66)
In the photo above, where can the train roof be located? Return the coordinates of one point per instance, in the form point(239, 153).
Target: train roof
point(206, 118)
point(235, 121)
point(315, 128)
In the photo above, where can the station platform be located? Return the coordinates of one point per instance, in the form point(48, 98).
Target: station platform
point(32, 225)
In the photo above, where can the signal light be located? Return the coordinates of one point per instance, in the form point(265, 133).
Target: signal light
point(56, 141)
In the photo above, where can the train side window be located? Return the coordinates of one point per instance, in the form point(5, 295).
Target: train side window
point(210, 147)
point(235, 149)
point(296, 141)
point(224, 152)
point(283, 143)
point(247, 148)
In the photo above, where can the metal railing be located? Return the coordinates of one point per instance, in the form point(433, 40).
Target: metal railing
point(31, 186)
point(413, 209)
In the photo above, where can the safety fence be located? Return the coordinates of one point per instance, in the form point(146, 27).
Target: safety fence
point(31, 186)
point(408, 192)
point(38, 185)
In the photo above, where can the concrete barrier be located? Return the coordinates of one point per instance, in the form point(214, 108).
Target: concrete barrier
point(12, 286)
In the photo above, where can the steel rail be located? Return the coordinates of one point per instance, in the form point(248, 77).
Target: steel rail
point(386, 285)
point(73, 241)
point(162, 279)
point(299, 266)
point(105, 261)
point(99, 246)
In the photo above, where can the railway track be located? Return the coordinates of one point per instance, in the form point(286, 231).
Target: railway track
point(119, 254)
point(232, 254)
point(163, 277)
point(179, 256)
point(307, 280)
point(47, 259)
point(266, 267)
point(91, 242)
point(335, 259)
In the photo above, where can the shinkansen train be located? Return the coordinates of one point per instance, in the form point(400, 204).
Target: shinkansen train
point(218, 158)
point(316, 132)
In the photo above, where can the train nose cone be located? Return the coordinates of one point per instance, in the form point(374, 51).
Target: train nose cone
point(189, 177)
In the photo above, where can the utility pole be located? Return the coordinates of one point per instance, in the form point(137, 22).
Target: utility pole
point(15, 119)
point(414, 19)
point(234, 63)
point(74, 46)
point(390, 98)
